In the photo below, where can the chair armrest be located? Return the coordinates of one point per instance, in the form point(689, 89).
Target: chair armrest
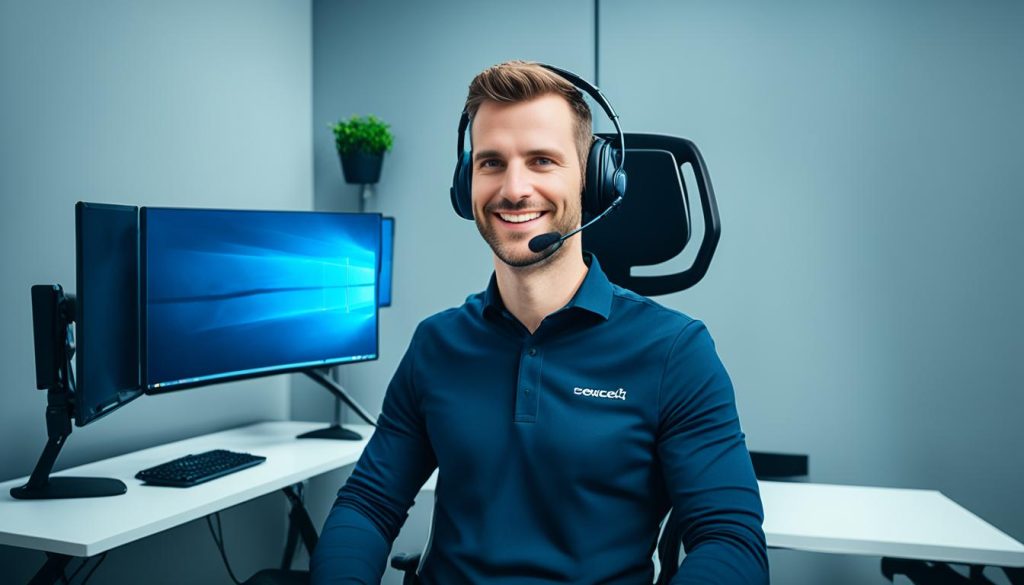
point(407, 563)
point(779, 465)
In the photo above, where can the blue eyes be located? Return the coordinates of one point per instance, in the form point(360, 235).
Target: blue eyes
point(493, 163)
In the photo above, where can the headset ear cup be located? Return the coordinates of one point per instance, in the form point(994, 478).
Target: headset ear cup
point(616, 178)
point(609, 168)
point(462, 187)
point(594, 180)
point(602, 181)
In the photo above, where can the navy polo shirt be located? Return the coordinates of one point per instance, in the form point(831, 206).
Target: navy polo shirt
point(559, 453)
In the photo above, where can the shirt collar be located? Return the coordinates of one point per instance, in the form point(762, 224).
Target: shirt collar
point(594, 295)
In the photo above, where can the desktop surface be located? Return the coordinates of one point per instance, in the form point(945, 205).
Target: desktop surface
point(884, 522)
point(86, 527)
point(839, 519)
point(874, 521)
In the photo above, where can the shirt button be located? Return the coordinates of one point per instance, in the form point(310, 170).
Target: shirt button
point(532, 352)
point(526, 390)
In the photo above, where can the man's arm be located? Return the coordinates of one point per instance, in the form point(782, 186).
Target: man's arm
point(375, 501)
point(707, 468)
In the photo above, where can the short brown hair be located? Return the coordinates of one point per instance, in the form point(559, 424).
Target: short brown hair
point(519, 81)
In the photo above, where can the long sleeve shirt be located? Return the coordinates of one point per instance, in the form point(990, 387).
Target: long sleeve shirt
point(559, 452)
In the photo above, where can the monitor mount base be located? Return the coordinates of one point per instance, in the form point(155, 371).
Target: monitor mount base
point(51, 306)
point(336, 431)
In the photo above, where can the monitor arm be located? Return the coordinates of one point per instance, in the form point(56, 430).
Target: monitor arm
point(53, 312)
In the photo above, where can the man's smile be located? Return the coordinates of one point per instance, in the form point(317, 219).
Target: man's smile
point(516, 219)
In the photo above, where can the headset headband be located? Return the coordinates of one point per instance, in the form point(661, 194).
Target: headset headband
point(579, 83)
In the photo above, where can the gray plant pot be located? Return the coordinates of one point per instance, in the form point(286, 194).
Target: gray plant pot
point(362, 168)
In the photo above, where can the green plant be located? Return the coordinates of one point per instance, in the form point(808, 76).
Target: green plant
point(366, 134)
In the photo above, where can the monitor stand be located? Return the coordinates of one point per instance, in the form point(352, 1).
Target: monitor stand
point(336, 431)
point(51, 306)
point(40, 485)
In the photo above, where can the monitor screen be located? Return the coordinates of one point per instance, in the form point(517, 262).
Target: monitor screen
point(107, 309)
point(236, 294)
point(387, 253)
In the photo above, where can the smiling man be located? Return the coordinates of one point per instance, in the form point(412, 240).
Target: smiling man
point(566, 415)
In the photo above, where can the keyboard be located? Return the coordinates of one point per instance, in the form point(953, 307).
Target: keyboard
point(192, 469)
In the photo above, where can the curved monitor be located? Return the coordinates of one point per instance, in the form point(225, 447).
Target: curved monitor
point(237, 294)
point(106, 309)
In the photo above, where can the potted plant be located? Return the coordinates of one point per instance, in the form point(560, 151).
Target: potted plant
point(362, 142)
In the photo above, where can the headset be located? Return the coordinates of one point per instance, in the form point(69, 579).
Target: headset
point(605, 183)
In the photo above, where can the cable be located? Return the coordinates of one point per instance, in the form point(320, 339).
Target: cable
point(597, 43)
point(219, 541)
point(93, 569)
point(69, 373)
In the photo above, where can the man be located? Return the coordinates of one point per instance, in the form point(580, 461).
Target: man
point(566, 415)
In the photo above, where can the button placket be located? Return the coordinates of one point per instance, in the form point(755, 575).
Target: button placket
point(527, 390)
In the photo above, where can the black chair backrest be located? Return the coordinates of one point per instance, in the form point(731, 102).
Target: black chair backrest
point(653, 223)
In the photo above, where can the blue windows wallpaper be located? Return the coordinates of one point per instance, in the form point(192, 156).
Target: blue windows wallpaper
point(236, 293)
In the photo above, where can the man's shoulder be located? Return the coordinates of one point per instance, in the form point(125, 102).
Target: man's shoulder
point(469, 312)
point(637, 307)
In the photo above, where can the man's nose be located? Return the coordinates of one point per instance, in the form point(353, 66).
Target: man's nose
point(517, 183)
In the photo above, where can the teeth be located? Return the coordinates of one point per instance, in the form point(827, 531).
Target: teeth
point(519, 217)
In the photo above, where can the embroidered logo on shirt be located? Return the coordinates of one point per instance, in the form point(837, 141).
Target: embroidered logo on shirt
point(619, 394)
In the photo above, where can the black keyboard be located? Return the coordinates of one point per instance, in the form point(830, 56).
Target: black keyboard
point(195, 469)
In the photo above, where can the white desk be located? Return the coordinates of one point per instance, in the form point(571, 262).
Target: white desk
point(85, 527)
point(883, 522)
point(910, 524)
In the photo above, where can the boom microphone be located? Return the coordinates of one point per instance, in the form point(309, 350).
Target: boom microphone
point(544, 241)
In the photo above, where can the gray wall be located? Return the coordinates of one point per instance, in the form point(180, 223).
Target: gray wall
point(158, 103)
point(866, 293)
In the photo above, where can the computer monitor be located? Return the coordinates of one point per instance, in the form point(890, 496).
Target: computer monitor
point(387, 253)
point(228, 295)
point(106, 309)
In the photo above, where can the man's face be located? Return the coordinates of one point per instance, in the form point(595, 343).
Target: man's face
point(526, 175)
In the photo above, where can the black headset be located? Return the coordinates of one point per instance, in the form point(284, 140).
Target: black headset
point(605, 179)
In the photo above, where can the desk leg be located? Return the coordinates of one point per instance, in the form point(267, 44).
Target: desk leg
point(52, 570)
point(928, 573)
point(299, 524)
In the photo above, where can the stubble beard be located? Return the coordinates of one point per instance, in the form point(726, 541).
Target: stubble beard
point(506, 250)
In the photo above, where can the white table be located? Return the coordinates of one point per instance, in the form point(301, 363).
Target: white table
point(906, 524)
point(85, 527)
point(921, 525)
point(883, 522)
